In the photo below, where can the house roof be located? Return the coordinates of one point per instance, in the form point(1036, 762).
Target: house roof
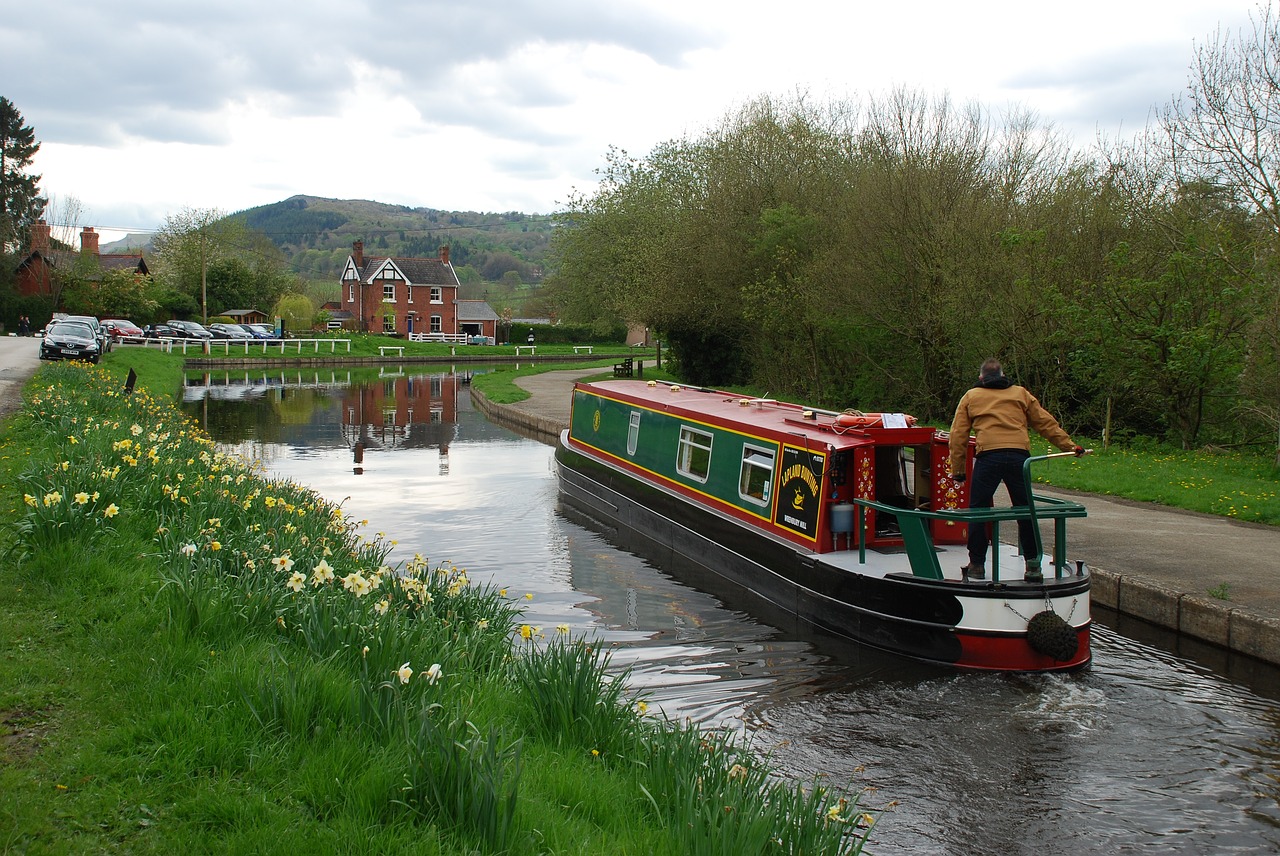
point(240, 313)
point(123, 261)
point(415, 271)
point(476, 310)
point(106, 261)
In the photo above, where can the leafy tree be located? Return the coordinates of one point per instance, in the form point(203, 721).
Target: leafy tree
point(219, 261)
point(191, 241)
point(296, 310)
point(20, 201)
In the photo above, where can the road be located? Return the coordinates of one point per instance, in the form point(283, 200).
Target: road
point(19, 359)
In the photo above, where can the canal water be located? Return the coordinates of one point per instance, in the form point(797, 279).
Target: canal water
point(1156, 748)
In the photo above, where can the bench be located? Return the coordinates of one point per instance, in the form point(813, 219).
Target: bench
point(578, 349)
point(399, 349)
point(626, 368)
point(528, 348)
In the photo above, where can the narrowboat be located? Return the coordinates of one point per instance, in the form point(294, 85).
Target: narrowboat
point(845, 523)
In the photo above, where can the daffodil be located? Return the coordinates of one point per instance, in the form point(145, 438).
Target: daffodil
point(322, 574)
point(404, 673)
point(526, 632)
point(283, 563)
point(297, 580)
point(433, 674)
point(382, 606)
point(188, 549)
point(562, 629)
point(111, 510)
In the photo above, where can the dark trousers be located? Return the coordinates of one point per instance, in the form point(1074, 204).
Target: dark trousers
point(990, 469)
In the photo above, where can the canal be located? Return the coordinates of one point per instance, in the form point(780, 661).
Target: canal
point(1148, 751)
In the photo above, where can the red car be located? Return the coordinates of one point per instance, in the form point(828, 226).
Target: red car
point(118, 329)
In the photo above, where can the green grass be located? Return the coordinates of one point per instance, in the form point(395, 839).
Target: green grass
point(194, 658)
point(1242, 486)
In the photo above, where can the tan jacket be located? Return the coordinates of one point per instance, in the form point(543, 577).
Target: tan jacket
point(1000, 418)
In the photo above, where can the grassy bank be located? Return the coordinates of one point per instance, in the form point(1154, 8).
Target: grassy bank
point(195, 658)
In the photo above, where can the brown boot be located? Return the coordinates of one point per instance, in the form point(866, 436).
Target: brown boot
point(974, 571)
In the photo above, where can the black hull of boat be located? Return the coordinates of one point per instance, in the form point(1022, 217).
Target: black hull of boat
point(788, 588)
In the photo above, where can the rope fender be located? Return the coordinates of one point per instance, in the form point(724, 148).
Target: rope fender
point(1052, 636)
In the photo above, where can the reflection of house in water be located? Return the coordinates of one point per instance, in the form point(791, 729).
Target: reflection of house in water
point(401, 412)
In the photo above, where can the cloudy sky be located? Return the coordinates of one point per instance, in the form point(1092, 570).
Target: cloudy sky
point(146, 106)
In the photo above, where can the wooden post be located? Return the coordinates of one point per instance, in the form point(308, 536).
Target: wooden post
point(1106, 427)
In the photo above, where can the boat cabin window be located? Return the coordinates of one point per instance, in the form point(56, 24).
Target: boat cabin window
point(693, 457)
point(633, 433)
point(757, 472)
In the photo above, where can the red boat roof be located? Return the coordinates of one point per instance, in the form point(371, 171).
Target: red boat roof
point(764, 415)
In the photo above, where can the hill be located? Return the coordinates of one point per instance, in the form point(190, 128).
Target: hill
point(316, 235)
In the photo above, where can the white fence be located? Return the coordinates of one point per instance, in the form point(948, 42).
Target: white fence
point(447, 338)
point(208, 346)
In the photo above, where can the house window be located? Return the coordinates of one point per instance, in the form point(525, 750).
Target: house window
point(633, 432)
point(389, 292)
point(408, 290)
point(437, 324)
point(693, 456)
point(388, 323)
point(437, 294)
point(757, 473)
point(351, 291)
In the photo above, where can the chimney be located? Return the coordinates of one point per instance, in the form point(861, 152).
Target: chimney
point(40, 237)
point(88, 241)
point(357, 253)
point(444, 255)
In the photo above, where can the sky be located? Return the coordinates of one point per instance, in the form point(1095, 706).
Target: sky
point(144, 107)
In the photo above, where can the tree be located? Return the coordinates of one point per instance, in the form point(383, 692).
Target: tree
point(1226, 129)
point(296, 310)
point(220, 261)
point(20, 201)
point(189, 242)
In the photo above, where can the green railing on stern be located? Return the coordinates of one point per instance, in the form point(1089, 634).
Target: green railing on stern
point(916, 539)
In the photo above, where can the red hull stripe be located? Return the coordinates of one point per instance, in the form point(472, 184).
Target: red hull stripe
point(1014, 653)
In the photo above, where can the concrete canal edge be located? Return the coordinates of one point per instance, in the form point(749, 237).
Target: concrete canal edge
point(1233, 628)
point(523, 422)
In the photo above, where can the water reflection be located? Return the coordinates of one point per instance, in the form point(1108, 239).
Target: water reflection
point(1148, 751)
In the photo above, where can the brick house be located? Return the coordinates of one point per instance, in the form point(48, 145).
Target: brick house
point(35, 271)
point(399, 296)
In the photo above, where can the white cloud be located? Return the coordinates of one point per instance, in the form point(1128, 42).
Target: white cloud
point(145, 106)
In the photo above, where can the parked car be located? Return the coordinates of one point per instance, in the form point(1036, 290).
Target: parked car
point(159, 331)
point(100, 332)
point(259, 331)
point(119, 328)
point(187, 330)
point(70, 340)
point(228, 331)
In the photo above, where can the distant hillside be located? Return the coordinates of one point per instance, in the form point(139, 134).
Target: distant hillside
point(316, 234)
point(130, 243)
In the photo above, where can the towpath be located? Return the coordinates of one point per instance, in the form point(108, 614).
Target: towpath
point(1208, 578)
